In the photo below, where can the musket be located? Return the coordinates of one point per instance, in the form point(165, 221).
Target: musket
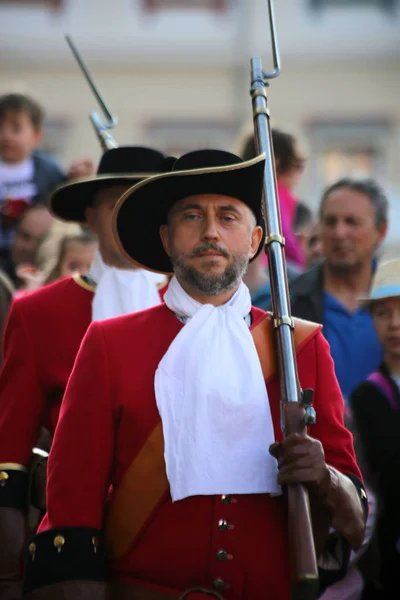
point(101, 127)
point(296, 410)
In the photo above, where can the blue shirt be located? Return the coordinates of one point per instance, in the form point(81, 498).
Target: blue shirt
point(262, 297)
point(355, 348)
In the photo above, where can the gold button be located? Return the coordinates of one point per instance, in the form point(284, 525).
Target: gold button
point(219, 583)
point(3, 476)
point(226, 499)
point(223, 525)
point(32, 548)
point(95, 540)
point(222, 555)
point(59, 542)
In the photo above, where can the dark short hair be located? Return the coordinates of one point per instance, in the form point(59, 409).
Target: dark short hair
point(303, 216)
point(284, 149)
point(248, 150)
point(370, 188)
point(19, 103)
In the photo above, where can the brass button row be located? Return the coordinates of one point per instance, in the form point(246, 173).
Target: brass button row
point(58, 543)
point(219, 583)
point(222, 555)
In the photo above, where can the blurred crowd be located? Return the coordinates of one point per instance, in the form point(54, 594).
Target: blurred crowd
point(35, 249)
point(332, 257)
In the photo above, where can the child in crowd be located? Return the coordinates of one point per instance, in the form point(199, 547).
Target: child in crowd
point(67, 249)
point(376, 411)
point(75, 255)
point(27, 176)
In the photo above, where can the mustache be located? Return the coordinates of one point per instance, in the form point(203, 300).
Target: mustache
point(207, 247)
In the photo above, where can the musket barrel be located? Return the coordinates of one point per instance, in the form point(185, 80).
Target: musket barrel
point(101, 128)
point(301, 539)
point(275, 249)
point(111, 120)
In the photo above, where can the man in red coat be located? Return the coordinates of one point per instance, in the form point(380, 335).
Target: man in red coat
point(165, 454)
point(45, 329)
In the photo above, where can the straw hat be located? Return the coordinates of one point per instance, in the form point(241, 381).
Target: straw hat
point(385, 284)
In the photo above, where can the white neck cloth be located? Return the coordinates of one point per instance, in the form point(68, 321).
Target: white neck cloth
point(122, 291)
point(213, 402)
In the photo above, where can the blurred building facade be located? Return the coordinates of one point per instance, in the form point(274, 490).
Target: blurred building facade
point(176, 72)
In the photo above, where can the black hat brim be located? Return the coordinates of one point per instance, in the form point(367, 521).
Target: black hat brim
point(142, 210)
point(70, 200)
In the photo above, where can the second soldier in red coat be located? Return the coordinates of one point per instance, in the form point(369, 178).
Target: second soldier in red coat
point(46, 327)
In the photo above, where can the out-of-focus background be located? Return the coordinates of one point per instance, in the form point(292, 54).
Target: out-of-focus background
point(176, 73)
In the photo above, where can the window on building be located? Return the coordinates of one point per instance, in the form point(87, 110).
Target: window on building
point(214, 5)
point(347, 150)
point(386, 5)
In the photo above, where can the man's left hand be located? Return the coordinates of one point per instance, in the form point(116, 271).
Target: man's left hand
point(301, 459)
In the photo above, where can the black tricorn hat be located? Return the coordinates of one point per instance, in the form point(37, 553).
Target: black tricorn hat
point(142, 210)
point(129, 164)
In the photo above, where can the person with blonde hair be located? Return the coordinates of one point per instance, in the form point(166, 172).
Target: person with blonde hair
point(75, 255)
point(68, 248)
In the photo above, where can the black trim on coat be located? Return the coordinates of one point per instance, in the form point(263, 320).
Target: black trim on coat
point(14, 489)
point(64, 554)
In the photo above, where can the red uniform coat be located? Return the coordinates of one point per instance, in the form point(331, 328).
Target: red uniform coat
point(41, 340)
point(108, 413)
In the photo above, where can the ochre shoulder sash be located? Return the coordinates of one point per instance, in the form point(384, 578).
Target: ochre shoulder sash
point(264, 340)
point(145, 483)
